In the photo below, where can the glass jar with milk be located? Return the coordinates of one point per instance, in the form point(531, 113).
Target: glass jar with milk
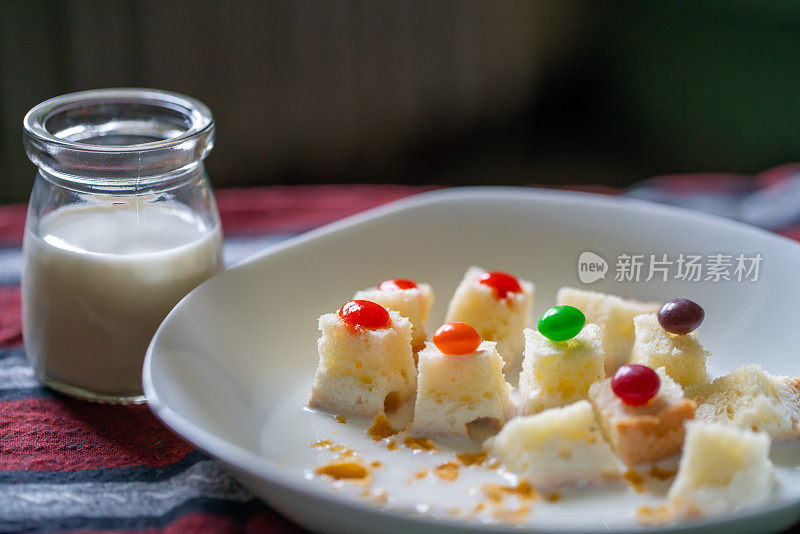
point(121, 225)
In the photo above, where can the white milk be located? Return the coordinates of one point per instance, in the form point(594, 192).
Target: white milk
point(97, 282)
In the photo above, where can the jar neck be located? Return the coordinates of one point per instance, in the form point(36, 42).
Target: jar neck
point(126, 186)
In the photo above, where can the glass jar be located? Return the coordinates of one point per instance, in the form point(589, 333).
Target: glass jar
point(121, 225)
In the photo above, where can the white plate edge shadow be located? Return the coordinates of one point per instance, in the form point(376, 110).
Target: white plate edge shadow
point(238, 458)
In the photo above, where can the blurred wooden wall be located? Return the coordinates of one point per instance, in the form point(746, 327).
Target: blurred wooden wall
point(298, 84)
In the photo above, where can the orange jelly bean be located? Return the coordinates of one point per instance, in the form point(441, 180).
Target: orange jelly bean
point(364, 314)
point(396, 284)
point(456, 339)
point(501, 283)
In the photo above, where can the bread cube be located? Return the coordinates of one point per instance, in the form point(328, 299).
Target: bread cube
point(753, 399)
point(646, 433)
point(456, 390)
point(682, 356)
point(557, 447)
point(723, 469)
point(614, 316)
point(359, 371)
point(414, 304)
point(495, 319)
point(557, 373)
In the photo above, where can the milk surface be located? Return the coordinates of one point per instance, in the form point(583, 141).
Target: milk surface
point(97, 282)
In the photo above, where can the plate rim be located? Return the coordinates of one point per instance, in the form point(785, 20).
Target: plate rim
point(238, 458)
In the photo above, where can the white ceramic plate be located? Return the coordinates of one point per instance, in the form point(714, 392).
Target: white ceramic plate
point(229, 369)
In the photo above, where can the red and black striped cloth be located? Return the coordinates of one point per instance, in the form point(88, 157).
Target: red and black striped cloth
point(68, 465)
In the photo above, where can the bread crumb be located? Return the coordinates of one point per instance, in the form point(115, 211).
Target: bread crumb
point(377, 496)
point(420, 444)
point(339, 470)
point(343, 451)
point(419, 475)
point(515, 516)
point(381, 428)
point(447, 471)
point(654, 516)
point(472, 459)
point(662, 474)
point(496, 492)
point(635, 480)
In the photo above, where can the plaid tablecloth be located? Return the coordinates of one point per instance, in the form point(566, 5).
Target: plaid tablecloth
point(67, 465)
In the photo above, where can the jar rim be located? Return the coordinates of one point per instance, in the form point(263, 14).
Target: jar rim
point(78, 135)
point(35, 120)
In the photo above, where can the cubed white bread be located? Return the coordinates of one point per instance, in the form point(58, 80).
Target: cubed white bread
point(414, 304)
point(557, 373)
point(454, 391)
point(614, 316)
point(360, 370)
point(500, 320)
point(751, 398)
point(557, 447)
point(682, 356)
point(646, 433)
point(723, 469)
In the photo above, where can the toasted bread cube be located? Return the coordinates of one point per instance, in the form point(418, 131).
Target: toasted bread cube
point(495, 319)
point(557, 373)
point(723, 469)
point(646, 433)
point(557, 447)
point(456, 390)
point(682, 356)
point(753, 399)
point(614, 316)
point(414, 304)
point(361, 370)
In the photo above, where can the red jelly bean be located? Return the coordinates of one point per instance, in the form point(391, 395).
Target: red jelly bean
point(635, 384)
point(501, 283)
point(364, 314)
point(396, 284)
point(456, 339)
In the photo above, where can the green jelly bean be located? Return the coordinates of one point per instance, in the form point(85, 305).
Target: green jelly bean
point(560, 323)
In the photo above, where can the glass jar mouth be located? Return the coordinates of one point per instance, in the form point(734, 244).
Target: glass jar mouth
point(118, 135)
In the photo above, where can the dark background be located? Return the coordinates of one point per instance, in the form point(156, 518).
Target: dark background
point(426, 91)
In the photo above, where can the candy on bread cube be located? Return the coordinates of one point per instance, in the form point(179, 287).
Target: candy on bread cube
point(411, 300)
point(682, 356)
point(498, 306)
point(557, 373)
point(646, 433)
point(614, 316)
point(363, 370)
point(753, 399)
point(457, 390)
point(557, 447)
point(723, 469)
